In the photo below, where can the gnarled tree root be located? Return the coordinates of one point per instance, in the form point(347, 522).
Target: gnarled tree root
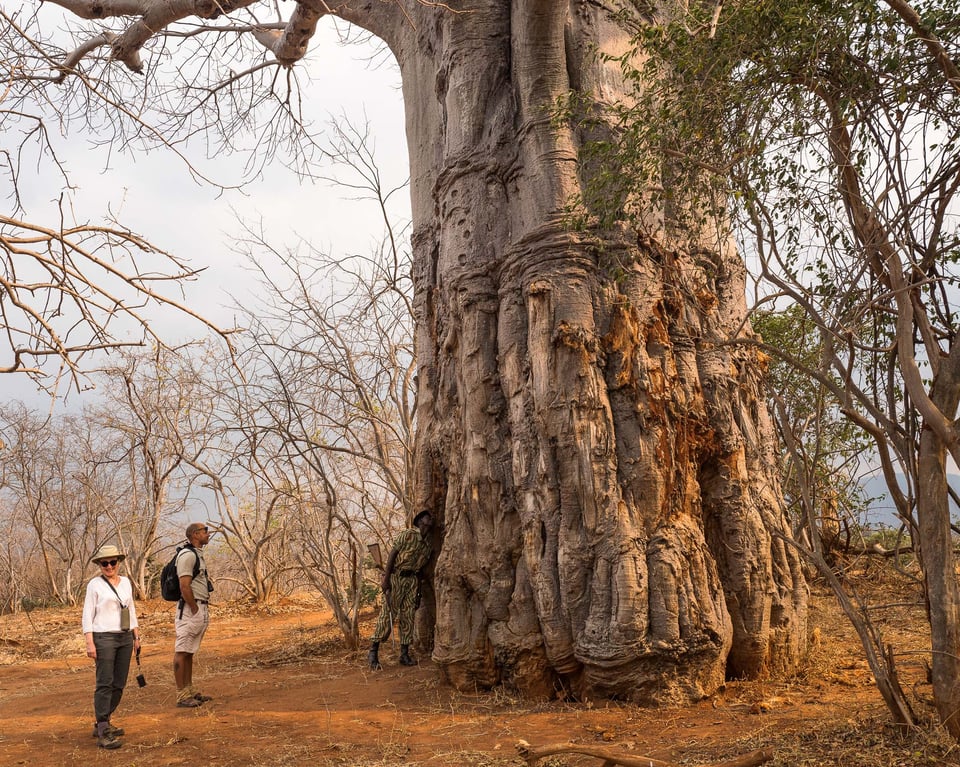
point(611, 759)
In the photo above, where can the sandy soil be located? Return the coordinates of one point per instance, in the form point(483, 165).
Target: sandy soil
point(286, 692)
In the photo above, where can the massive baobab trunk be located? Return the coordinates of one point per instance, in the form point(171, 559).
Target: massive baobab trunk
point(599, 457)
point(597, 453)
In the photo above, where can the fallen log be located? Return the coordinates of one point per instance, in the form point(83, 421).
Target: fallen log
point(613, 759)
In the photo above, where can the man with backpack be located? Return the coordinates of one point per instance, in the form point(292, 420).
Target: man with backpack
point(192, 615)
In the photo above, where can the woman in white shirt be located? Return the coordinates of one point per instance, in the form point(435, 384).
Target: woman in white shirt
point(112, 634)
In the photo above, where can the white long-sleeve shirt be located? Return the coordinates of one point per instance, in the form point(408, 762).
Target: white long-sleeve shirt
point(101, 608)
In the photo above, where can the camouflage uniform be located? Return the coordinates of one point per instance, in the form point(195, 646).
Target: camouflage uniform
point(413, 553)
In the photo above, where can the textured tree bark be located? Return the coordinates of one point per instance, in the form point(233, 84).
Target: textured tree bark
point(599, 456)
point(936, 548)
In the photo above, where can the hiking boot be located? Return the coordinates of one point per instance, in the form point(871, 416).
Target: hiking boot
point(405, 659)
point(108, 741)
point(373, 658)
point(105, 739)
point(189, 703)
point(115, 731)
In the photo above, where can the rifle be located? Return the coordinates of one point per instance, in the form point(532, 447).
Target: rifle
point(375, 555)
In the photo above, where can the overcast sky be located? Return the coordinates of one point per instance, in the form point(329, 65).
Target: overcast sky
point(156, 196)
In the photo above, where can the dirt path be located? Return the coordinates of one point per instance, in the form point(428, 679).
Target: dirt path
point(287, 693)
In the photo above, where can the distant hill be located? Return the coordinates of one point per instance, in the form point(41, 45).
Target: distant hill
point(881, 510)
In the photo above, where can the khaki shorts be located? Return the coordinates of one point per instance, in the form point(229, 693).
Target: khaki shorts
point(190, 628)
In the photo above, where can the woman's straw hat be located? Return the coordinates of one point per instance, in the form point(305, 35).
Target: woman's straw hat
point(108, 551)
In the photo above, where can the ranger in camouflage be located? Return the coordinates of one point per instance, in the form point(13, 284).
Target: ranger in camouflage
point(400, 585)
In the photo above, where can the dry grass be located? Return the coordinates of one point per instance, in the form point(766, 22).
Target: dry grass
point(862, 741)
point(291, 695)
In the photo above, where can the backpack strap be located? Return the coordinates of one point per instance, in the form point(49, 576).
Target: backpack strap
point(196, 568)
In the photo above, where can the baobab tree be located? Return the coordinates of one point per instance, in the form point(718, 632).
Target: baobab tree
point(599, 458)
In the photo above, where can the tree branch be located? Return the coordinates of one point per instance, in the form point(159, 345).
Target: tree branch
point(906, 12)
point(611, 758)
point(291, 45)
point(154, 18)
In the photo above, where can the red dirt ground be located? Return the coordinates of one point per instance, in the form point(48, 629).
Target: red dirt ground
point(287, 693)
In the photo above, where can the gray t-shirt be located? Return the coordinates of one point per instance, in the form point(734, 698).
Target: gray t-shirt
point(200, 586)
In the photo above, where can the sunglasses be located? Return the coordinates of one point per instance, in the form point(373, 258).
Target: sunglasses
point(108, 562)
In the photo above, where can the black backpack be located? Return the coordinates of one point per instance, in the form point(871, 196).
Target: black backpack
point(170, 581)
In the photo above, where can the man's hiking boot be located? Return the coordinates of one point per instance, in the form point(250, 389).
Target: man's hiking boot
point(405, 659)
point(115, 731)
point(109, 742)
point(373, 657)
point(105, 739)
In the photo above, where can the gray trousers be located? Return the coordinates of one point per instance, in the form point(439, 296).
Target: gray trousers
point(114, 650)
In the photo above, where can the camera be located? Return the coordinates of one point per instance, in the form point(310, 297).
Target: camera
point(141, 679)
